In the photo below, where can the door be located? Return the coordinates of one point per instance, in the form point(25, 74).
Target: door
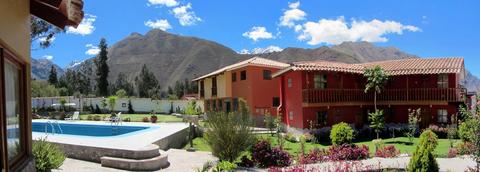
point(426, 117)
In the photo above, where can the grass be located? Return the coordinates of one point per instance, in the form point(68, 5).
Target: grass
point(401, 143)
point(138, 117)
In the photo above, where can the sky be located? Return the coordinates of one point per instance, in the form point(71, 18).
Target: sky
point(429, 28)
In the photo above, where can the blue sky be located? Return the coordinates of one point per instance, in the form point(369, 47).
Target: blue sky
point(425, 28)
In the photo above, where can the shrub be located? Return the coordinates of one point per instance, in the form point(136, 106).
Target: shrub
point(97, 109)
point(47, 155)
point(413, 120)
point(387, 152)
point(348, 152)
point(465, 148)
point(90, 117)
point(440, 131)
point(316, 155)
point(341, 133)
point(224, 166)
point(377, 121)
point(322, 134)
point(153, 118)
point(130, 107)
point(97, 118)
point(145, 119)
point(245, 162)
point(263, 155)
point(229, 134)
point(127, 119)
point(308, 137)
point(291, 138)
point(423, 158)
point(452, 152)
point(466, 130)
point(269, 122)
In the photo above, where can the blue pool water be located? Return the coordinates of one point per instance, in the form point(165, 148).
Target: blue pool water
point(85, 129)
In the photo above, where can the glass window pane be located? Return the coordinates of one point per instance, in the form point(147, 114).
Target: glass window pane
point(12, 108)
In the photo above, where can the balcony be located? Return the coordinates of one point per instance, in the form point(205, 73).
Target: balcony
point(388, 96)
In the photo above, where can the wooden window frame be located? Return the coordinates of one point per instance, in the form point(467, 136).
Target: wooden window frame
point(214, 86)
point(243, 75)
point(440, 119)
point(234, 76)
point(19, 161)
point(442, 80)
point(276, 101)
point(320, 81)
point(267, 75)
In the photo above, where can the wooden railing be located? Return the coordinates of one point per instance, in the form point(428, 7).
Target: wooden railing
point(391, 95)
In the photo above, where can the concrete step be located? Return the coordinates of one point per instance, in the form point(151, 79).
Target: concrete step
point(149, 164)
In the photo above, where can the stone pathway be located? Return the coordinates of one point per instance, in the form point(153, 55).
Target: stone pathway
point(180, 160)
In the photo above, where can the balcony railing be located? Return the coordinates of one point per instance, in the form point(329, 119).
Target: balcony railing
point(388, 95)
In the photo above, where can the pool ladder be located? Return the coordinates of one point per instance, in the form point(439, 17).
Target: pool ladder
point(115, 127)
point(53, 127)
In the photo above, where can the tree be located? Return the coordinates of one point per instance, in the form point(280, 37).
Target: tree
point(52, 77)
point(377, 122)
point(423, 159)
point(179, 89)
point(62, 102)
point(413, 120)
point(112, 100)
point(43, 89)
point(191, 108)
point(376, 79)
point(121, 93)
point(130, 107)
point(122, 83)
point(42, 31)
point(147, 83)
point(102, 68)
point(74, 81)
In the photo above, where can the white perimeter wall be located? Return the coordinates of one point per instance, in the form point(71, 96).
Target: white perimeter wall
point(139, 104)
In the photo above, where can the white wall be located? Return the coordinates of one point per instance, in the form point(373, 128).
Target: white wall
point(139, 104)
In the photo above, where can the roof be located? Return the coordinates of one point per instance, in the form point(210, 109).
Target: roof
point(60, 13)
point(255, 61)
point(408, 66)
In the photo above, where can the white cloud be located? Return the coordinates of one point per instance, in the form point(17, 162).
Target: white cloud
point(159, 24)
point(168, 3)
point(92, 49)
point(292, 15)
point(43, 39)
point(185, 16)
point(337, 31)
point(259, 50)
point(85, 27)
point(48, 57)
point(258, 32)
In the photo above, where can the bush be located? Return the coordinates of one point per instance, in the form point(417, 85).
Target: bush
point(316, 155)
point(47, 155)
point(263, 155)
point(440, 131)
point(229, 134)
point(245, 162)
point(322, 134)
point(465, 148)
point(348, 152)
point(90, 117)
point(341, 133)
point(130, 107)
point(291, 138)
point(452, 152)
point(145, 119)
point(224, 166)
point(387, 152)
point(97, 118)
point(466, 130)
point(127, 119)
point(308, 137)
point(423, 158)
point(153, 118)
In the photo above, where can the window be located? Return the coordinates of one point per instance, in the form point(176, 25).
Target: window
point(267, 74)
point(289, 82)
point(442, 115)
point(276, 101)
point(12, 108)
point(290, 115)
point(321, 118)
point(320, 81)
point(202, 89)
point(214, 86)
point(243, 75)
point(234, 77)
point(442, 80)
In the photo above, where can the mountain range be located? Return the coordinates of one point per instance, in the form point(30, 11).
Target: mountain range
point(174, 57)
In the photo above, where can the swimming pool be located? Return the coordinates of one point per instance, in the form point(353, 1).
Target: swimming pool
point(85, 129)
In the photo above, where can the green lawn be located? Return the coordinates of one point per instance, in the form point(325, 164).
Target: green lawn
point(294, 148)
point(139, 117)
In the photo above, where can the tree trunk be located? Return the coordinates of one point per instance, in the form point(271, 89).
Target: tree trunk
point(375, 100)
point(378, 135)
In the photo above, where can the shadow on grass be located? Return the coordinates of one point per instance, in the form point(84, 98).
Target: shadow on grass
point(399, 142)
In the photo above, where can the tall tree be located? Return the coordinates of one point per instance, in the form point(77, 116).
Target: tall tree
point(122, 83)
point(42, 31)
point(102, 68)
point(179, 89)
point(376, 80)
point(52, 77)
point(147, 83)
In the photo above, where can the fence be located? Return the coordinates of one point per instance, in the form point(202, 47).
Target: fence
point(140, 105)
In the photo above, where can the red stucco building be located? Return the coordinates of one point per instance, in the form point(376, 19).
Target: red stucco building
point(327, 93)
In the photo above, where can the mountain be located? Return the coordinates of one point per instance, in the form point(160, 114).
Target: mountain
point(41, 68)
point(472, 82)
point(174, 57)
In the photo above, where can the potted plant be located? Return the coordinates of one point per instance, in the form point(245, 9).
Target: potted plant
point(153, 117)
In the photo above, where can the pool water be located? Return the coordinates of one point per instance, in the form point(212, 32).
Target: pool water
point(85, 129)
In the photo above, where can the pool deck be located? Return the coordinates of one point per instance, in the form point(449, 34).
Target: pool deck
point(130, 141)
